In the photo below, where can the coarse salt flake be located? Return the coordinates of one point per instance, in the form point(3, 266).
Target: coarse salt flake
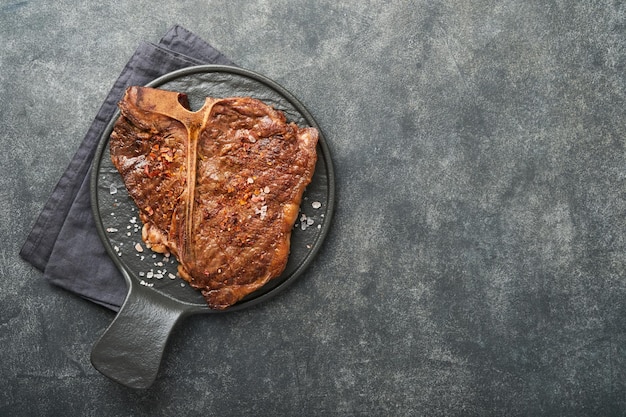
point(305, 221)
point(138, 247)
point(262, 211)
point(316, 204)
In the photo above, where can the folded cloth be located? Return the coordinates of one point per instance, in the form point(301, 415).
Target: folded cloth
point(64, 243)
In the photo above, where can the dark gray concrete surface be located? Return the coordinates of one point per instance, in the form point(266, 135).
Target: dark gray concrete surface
point(477, 260)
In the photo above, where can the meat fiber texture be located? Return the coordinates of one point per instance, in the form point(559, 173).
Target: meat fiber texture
point(219, 188)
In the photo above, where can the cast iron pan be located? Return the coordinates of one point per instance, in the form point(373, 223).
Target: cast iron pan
point(131, 348)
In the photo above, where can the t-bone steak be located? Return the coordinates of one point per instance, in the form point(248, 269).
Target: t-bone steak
point(219, 188)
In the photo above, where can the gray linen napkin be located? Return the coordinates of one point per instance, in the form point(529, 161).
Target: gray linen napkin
point(64, 243)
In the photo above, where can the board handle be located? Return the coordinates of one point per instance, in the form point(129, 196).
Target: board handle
point(131, 348)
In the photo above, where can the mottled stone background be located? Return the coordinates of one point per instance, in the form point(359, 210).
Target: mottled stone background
point(477, 260)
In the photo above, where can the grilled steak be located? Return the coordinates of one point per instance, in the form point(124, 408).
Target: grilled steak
point(219, 188)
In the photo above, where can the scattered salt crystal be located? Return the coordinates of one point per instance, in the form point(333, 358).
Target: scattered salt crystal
point(128, 233)
point(142, 274)
point(250, 180)
point(266, 190)
point(305, 221)
point(262, 211)
point(158, 276)
point(116, 248)
point(316, 204)
point(171, 276)
point(113, 189)
point(111, 229)
point(182, 284)
point(159, 264)
point(133, 220)
point(150, 274)
point(319, 226)
point(138, 247)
